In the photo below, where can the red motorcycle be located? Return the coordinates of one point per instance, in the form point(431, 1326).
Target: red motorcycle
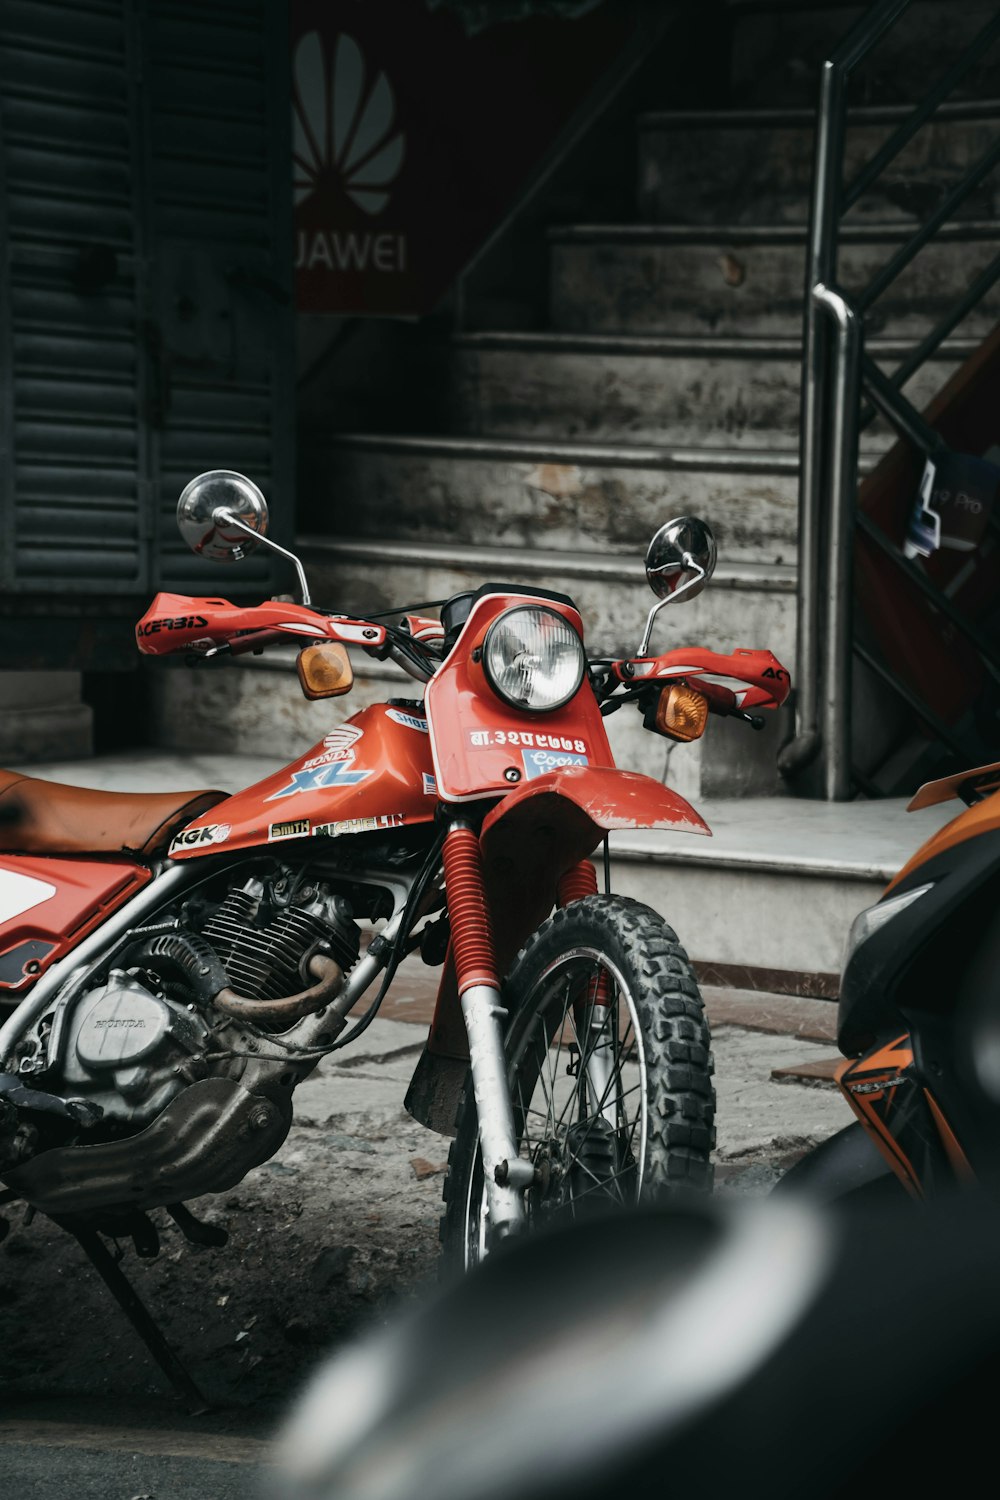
point(174, 964)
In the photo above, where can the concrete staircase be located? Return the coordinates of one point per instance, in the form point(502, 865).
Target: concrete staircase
point(666, 381)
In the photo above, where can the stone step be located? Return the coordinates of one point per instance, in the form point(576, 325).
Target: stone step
point(42, 717)
point(768, 901)
point(759, 164)
point(550, 495)
point(744, 605)
point(699, 391)
point(648, 278)
point(778, 49)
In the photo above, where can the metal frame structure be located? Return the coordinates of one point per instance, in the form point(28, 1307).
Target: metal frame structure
point(837, 376)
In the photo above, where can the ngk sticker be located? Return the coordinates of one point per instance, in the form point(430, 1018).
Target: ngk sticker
point(540, 762)
point(190, 838)
point(481, 738)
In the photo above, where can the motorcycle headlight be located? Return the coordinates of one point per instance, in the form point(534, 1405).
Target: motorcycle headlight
point(533, 658)
point(875, 917)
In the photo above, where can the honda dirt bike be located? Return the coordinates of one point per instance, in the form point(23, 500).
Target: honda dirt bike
point(918, 1022)
point(177, 963)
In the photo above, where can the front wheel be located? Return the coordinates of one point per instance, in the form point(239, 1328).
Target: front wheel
point(610, 1072)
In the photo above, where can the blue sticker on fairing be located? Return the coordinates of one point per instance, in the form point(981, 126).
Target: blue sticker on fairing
point(540, 762)
point(341, 773)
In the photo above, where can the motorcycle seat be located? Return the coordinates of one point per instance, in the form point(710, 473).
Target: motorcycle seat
point(47, 817)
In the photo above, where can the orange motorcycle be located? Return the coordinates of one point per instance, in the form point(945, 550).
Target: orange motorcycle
point(918, 1023)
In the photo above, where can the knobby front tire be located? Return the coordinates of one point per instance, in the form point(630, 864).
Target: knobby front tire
point(613, 1101)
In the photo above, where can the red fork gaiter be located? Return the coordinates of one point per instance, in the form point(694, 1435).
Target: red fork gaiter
point(471, 929)
point(576, 883)
point(573, 886)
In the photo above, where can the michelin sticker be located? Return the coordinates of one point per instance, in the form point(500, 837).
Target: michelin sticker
point(190, 838)
point(540, 762)
point(358, 825)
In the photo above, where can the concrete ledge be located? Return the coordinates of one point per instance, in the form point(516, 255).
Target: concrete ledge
point(494, 562)
point(46, 734)
point(855, 841)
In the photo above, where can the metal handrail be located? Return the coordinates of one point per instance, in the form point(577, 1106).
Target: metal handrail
point(835, 372)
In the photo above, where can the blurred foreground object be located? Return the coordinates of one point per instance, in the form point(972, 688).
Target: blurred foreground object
point(776, 1350)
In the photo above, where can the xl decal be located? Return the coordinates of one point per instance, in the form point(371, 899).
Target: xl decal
point(320, 777)
point(332, 767)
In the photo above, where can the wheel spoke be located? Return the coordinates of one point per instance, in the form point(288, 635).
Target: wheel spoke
point(636, 1087)
point(585, 1126)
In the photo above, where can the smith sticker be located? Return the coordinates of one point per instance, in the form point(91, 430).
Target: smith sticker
point(191, 838)
point(480, 738)
point(359, 825)
point(295, 830)
point(539, 762)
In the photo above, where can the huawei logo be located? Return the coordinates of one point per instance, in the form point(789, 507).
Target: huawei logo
point(344, 135)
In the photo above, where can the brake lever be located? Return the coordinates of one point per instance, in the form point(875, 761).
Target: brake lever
point(754, 720)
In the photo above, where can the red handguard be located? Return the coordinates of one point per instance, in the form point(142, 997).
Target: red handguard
point(179, 622)
point(736, 683)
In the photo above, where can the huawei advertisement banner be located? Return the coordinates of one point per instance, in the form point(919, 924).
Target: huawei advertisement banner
point(412, 140)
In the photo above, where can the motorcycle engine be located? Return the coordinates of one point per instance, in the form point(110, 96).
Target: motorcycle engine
point(130, 1049)
point(133, 1042)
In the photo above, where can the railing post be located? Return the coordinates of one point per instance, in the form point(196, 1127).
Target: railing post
point(838, 595)
point(821, 254)
point(828, 472)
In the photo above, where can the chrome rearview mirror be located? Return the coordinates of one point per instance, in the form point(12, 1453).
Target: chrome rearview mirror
point(222, 515)
point(679, 562)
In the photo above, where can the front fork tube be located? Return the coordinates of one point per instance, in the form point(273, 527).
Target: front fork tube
point(599, 1066)
point(595, 1017)
point(506, 1174)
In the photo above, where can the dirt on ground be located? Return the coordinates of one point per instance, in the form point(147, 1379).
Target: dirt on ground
point(334, 1232)
point(331, 1236)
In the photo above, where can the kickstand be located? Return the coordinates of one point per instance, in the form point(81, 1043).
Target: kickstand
point(135, 1310)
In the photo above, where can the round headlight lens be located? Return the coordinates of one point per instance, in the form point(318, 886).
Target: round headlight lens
point(533, 658)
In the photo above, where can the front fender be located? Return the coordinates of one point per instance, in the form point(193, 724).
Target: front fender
point(551, 823)
point(602, 796)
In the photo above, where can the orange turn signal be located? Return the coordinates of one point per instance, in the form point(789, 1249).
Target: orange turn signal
point(325, 670)
point(682, 712)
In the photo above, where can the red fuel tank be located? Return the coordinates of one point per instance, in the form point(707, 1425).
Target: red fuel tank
point(372, 772)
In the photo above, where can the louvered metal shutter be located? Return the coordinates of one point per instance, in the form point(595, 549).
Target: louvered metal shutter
point(73, 463)
point(146, 331)
point(220, 219)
